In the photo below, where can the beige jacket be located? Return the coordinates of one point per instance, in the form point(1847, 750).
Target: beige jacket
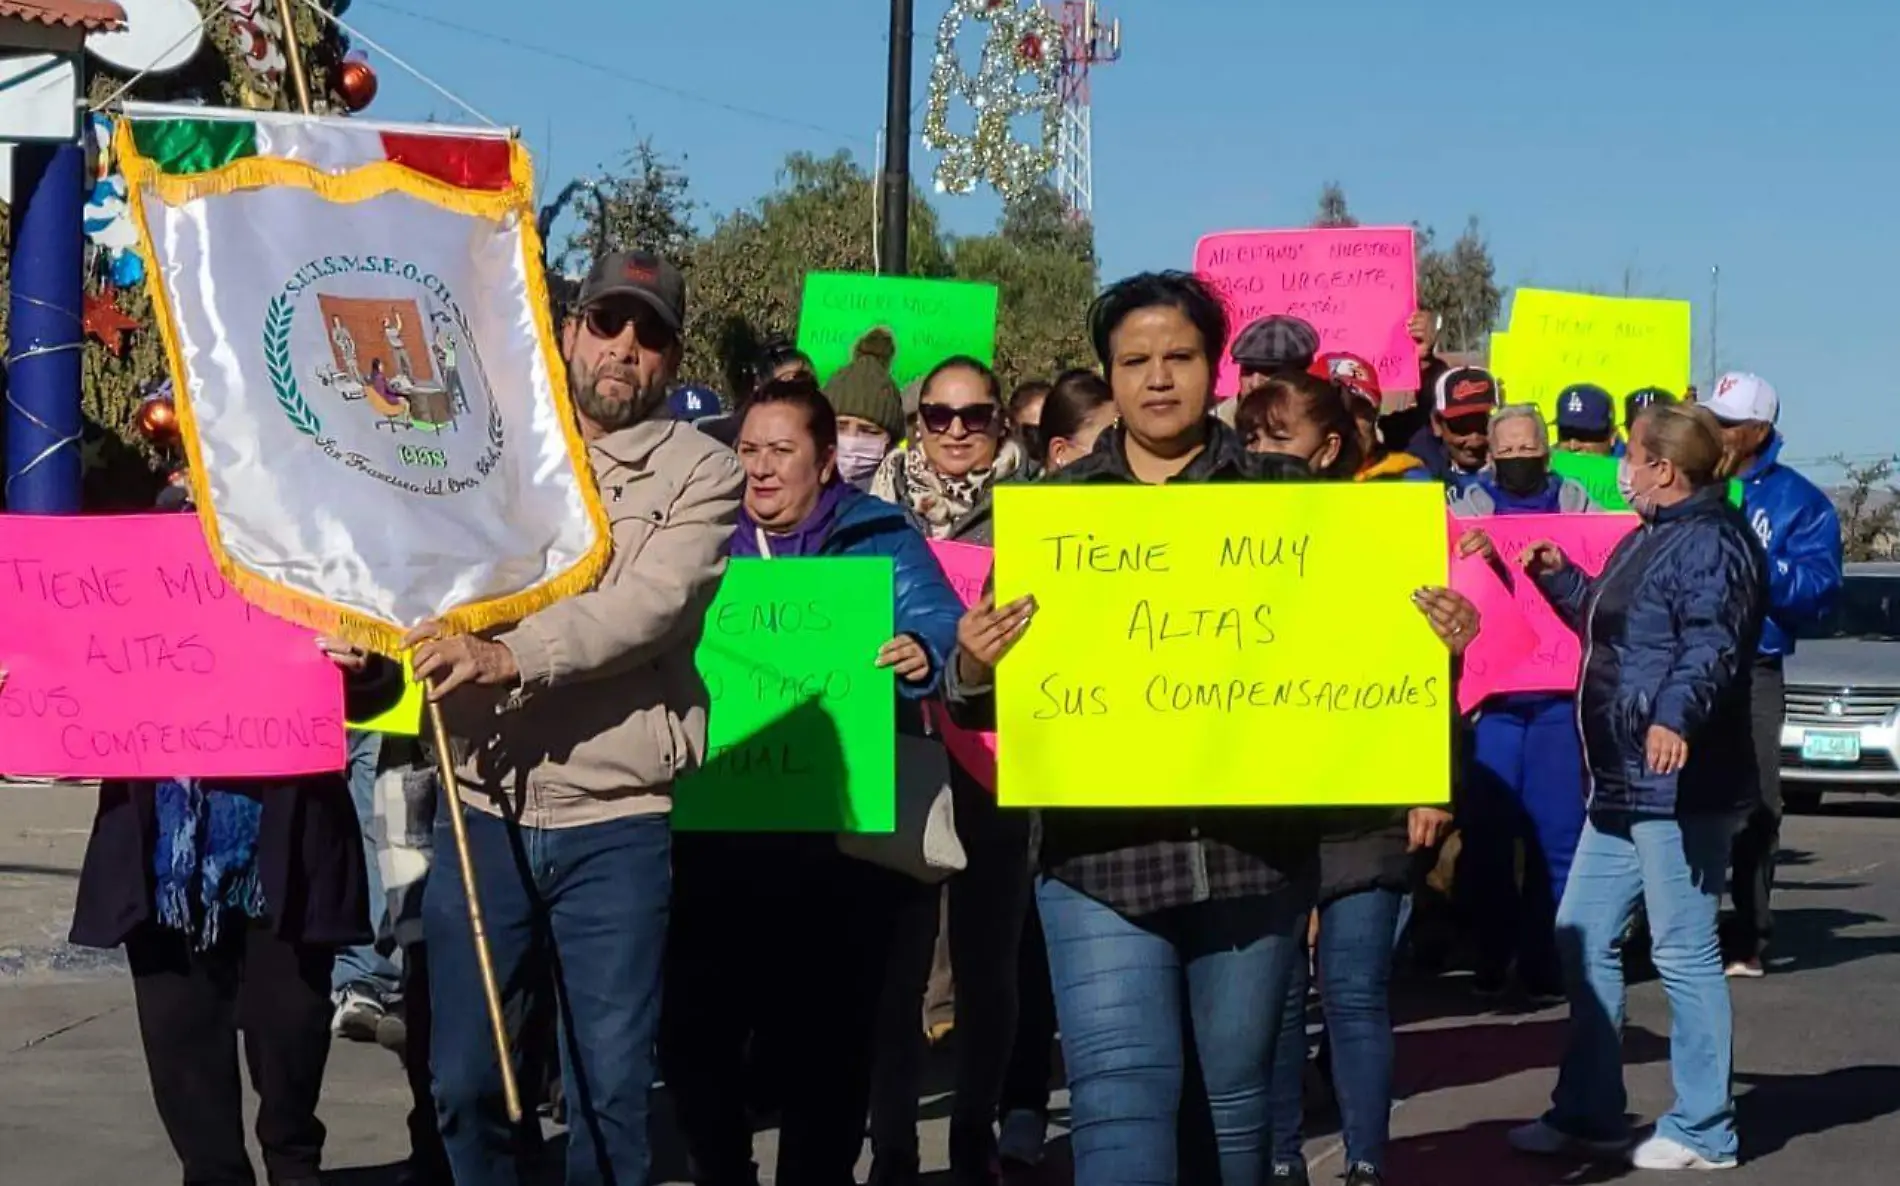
point(610, 708)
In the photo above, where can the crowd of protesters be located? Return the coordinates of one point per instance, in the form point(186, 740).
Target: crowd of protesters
point(1173, 953)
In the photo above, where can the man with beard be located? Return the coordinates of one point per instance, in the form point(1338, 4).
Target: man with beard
point(570, 730)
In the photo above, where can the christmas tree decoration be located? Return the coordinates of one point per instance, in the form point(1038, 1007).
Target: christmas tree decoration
point(356, 83)
point(1017, 78)
point(106, 323)
point(158, 416)
point(112, 241)
point(258, 37)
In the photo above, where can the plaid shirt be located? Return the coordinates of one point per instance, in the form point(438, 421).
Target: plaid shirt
point(403, 829)
point(1162, 874)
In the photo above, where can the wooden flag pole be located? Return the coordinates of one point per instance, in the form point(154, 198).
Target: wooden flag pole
point(445, 761)
point(293, 53)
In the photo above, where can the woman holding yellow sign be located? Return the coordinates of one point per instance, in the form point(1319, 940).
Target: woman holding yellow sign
point(1156, 918)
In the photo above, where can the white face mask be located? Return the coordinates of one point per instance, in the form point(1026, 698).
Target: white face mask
point(859, 456)
point(1626, 486)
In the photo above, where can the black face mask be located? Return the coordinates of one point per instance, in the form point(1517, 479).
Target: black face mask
point(1521, 475)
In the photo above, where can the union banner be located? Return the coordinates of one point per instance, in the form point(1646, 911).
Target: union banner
point(373, 405)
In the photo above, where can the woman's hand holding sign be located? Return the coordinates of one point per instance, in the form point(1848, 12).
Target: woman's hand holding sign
point(986, 633)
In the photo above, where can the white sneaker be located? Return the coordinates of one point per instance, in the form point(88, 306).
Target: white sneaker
point(358, 1010)
point(1542, 1140)
point(1022, 1138)
point(1661, 1153)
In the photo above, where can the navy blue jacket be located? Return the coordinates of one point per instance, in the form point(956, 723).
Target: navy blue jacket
point(926, 606)
point(1426, 446)
point(309, 848)
point(1668, 630)
point(1797, 525)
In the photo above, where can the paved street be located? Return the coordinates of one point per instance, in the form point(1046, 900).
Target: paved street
point(1817, 1048)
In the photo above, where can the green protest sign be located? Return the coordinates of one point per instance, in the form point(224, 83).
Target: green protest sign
point(930, 320)
point(1598, 476)
point(803, 732)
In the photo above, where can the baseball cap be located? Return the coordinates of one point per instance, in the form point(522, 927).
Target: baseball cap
point(1359, 377)
point(641, 275)
point(690, 402)
point(1465, 391)
point(1276, 343)
point(1636, 402)
point(1740, 397)
point(1586, 408)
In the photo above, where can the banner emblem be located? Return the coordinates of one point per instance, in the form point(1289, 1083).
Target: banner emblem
point(399, 391)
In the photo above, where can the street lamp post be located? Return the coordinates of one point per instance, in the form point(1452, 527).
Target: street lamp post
point(894, 243)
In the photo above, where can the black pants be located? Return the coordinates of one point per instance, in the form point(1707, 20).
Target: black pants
point(428, 1160)
point(1026, 1083)
point(988, 902)
point(1752, 865)
point(191, 1005)
point(776, 945)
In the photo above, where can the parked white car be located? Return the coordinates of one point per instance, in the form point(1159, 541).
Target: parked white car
point(1842, 728)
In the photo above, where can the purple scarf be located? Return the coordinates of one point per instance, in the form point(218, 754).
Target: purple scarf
point(806, 539)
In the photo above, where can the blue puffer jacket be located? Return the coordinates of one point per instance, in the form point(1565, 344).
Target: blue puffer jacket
point(926, 606)
point(1667, 632)
point(1797, 525)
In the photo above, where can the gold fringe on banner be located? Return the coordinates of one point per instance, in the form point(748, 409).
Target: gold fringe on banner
point(368, 181)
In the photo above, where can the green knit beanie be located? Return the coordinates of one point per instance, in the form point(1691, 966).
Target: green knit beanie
point(863, 386)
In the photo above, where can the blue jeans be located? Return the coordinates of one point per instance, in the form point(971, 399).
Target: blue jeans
point(1355, 978)
point(582, 910)
point(1122, 986)
point(1675, 867)
point(1525, 785)
point(366, 965)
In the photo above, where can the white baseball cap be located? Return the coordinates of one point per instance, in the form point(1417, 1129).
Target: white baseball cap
point(1740, 397)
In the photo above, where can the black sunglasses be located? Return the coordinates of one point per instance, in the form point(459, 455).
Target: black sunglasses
point(610, 319)
point(975, 417)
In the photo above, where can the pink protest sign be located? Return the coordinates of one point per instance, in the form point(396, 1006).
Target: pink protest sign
point(1539, 653)
point(129, 657)
point(1502, 630)
point(968, 567)
point(1356, 285)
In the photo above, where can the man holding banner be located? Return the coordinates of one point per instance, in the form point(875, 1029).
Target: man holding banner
point(571, 729)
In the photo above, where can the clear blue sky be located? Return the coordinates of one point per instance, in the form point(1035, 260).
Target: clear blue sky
point(1647, 137)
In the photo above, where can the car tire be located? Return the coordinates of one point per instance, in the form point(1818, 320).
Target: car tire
point(1802, 801)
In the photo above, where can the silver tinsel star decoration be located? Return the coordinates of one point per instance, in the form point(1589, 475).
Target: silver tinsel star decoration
point(1019, 75)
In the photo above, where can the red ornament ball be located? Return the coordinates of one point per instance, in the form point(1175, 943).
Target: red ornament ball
point(1030, 47)
point(158, 419)
point(356, 82)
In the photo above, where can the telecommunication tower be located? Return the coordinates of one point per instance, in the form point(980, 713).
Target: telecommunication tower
point(1086, 43)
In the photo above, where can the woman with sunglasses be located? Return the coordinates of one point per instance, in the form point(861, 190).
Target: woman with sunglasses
point(1164, 923)
point(942, 481)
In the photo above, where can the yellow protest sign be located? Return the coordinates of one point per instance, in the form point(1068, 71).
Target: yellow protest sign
point(1619, 343)
point(1500, 360)
point(404, 718)
point(1223, 645)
